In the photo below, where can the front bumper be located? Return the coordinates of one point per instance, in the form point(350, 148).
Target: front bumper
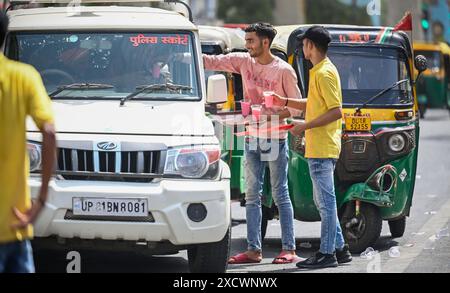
point(167, 200)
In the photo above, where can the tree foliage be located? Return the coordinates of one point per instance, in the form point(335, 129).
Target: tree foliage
point(245, 11)
point(336, 12)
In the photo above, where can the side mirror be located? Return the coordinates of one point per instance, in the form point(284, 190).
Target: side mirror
point(217, 89)
point(420, 62)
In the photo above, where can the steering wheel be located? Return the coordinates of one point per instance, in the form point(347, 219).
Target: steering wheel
point(63, 76)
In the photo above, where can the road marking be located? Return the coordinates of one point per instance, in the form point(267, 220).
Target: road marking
point(408, 255)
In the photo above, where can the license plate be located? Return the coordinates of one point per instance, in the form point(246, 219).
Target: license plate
point(110, 207)
point(358, 123)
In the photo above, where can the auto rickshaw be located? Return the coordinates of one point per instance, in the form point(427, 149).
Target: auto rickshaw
point(215, 41)
point(279, 44)
point(218, 40)
point(375, 175)
point(376, 172)
point(434, 88)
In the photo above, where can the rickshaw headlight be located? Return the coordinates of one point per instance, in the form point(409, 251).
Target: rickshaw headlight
point(397, 143)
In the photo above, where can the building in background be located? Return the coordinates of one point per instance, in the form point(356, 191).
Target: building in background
point(205, 11)
point(439, 20)
point(395, 10)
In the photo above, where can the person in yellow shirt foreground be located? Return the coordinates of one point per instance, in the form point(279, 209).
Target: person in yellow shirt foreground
point(22, 94)
point(323, 129)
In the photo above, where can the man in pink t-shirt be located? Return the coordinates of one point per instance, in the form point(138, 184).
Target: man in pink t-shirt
point(261, 71)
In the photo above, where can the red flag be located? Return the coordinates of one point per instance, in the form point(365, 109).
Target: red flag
point(405, 24)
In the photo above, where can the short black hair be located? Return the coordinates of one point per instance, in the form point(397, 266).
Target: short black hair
point(262, 30)
point(320, 37)
point(4, 22)
point(321, 47)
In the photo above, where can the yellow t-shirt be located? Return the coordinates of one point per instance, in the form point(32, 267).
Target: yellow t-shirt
point(22, 94)
point(324, 95)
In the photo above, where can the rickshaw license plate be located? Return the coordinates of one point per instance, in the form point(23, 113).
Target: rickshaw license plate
point(358, 123)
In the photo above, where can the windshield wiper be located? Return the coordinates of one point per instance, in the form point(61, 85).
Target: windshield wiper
point(81, 86)
point(381, 93)
point(155, 87)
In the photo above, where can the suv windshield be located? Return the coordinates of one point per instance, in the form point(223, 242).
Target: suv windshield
point(366, 71)
point(121, 62)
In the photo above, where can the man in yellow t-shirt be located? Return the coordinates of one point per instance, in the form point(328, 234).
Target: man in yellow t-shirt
point(22, 94)
point(323, 128)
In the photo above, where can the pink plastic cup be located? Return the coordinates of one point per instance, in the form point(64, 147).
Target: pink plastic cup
point(245, 106)
point(256, 112)
point(268, 99)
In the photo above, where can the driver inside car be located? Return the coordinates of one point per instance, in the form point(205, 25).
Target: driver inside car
point(143, 65)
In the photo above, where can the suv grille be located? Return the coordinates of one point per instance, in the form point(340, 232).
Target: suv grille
point(143, 166)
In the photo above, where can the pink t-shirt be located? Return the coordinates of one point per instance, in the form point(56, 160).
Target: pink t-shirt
point(278, 76)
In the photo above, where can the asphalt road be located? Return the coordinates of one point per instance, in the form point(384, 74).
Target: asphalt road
point(420, 249)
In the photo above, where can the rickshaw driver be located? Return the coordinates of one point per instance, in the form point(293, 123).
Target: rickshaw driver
point(347, 71)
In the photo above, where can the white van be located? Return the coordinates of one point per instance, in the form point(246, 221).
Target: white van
point(138, 162)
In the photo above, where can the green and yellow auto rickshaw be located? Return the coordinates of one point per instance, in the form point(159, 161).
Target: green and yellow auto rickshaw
point(280, 42)
point(232, 146)
point(219, 40)
point(215, 41)
point(376, 172)
point(375, 175)
point(433, 89)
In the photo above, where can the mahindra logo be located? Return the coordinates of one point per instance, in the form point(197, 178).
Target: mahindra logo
point(106, 145)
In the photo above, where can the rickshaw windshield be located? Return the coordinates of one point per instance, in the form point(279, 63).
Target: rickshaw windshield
point(366, 71)
point(98, 65)
point(433, 59)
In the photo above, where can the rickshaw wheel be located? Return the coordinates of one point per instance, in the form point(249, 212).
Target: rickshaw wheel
point(422, 110)
point(397, 227)
point(361, 231)
point(264, 223)
point(267, 214)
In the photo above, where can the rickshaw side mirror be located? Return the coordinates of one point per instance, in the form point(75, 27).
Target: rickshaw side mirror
point(420, 63)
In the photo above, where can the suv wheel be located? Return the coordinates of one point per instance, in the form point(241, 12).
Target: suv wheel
point(210, 257)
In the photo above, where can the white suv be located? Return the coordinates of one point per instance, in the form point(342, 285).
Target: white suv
point(138, 161)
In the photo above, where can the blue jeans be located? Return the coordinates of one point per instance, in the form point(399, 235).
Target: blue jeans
point(16, 257)
point(258, 154)
point(321, 171)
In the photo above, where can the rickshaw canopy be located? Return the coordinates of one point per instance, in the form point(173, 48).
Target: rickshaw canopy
point(227, 38)
point(352, 35)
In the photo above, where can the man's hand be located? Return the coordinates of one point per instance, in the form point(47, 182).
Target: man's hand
point(279, 100)
point(48, 160)
point(185, 58)
point(297, 104)
point(299, 128)
point(27, 218)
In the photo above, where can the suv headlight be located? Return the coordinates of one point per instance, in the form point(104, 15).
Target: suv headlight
point(34, 155)
point(396, 143)
point(193, 162)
